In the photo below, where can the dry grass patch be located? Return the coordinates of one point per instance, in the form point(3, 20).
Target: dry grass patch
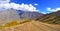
point(15, 22)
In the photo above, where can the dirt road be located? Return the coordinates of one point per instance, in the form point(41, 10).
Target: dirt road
point(33, 26)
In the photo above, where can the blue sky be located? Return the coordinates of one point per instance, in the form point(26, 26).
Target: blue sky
point(44, 6)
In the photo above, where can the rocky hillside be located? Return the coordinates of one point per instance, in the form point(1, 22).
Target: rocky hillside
point(28, 14)
point(8, 15)
point(52, 18)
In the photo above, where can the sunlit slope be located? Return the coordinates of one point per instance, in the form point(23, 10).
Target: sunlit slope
point(32, 26)
point(52, 18)
point(14, 23)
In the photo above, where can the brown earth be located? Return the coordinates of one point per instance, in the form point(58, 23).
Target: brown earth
point(33, 26)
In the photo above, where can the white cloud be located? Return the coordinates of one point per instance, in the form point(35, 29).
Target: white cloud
point(57, 8)
point(35, 4)
point(4, 4)
point(4, 1)
point(53, 10)
point(50, 10)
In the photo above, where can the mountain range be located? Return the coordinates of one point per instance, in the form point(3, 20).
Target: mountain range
point(11, 14)
point(28, 14)
point(9, 21)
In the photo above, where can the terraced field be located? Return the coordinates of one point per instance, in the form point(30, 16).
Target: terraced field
point(33, 26)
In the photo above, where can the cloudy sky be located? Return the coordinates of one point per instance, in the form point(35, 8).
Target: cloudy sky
point(42, 6)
